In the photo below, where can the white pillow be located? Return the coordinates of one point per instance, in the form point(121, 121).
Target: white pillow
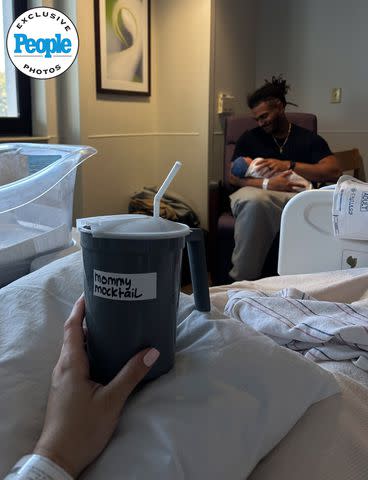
point(231, 397)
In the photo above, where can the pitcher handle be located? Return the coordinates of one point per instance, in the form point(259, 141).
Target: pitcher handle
point(198, 270)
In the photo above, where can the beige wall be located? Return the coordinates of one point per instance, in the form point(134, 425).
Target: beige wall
point(233, 67)
point(138, 138)
point(183, 79)
point(116, 126)
point(200, 48)
point(319, 45)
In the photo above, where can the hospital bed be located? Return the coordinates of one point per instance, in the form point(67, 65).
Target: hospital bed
point(307, 241)
point(234, 406)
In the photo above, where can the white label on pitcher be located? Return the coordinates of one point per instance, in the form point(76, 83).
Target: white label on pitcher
point(124, 286)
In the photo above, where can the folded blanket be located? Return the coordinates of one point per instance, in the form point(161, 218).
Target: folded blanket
point(320, 330)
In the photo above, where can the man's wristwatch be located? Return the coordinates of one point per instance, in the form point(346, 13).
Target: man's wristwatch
point(292, 165)
point(265, 183)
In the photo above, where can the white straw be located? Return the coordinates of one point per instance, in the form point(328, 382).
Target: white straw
point(163, 188)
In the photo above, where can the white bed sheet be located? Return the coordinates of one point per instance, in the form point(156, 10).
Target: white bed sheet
point(348, 286)
point(209, 417)
point(329, 442)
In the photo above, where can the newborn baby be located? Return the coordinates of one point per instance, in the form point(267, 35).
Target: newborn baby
point(246, 167)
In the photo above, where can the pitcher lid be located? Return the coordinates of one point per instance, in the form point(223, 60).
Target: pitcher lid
point(132, 227)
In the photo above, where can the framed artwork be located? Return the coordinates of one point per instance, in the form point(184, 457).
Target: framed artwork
point(122, 32)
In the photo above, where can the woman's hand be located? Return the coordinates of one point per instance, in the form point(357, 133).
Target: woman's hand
point(82, 415)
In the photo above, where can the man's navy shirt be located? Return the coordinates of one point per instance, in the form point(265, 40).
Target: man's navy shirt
point(302, 145)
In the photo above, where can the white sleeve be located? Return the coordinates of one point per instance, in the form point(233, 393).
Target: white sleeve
point(36, 467)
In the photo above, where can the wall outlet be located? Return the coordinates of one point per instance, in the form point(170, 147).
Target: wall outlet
point(336, 95)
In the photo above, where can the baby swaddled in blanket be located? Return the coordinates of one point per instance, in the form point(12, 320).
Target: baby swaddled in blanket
point(246, 167)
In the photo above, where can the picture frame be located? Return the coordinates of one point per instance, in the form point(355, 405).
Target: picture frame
point(122, 36)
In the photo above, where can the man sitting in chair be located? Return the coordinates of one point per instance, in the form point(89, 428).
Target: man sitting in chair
point(258, 202)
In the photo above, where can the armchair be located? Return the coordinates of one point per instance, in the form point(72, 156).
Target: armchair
point(221, 221)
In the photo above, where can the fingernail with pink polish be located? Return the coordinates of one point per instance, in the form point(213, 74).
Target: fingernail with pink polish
point(150, 357)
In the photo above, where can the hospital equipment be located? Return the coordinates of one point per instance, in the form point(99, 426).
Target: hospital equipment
point(307, 241)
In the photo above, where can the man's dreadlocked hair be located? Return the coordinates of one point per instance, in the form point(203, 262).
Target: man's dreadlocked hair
point(271, 90)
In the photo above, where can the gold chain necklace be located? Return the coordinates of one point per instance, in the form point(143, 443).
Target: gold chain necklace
point(281, 147)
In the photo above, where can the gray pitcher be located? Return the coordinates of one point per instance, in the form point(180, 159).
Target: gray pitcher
point(132, 266)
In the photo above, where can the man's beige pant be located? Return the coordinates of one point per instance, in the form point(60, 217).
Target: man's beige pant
point(257, 215)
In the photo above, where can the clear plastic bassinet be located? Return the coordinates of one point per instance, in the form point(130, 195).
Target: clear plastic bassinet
point(36, 202)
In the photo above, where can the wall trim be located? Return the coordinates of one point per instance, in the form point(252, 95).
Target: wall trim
point(26, 139)
point(196, 134)
point(337, 132)
point(145, 134)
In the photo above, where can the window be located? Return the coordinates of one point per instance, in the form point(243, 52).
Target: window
point(15, 87)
